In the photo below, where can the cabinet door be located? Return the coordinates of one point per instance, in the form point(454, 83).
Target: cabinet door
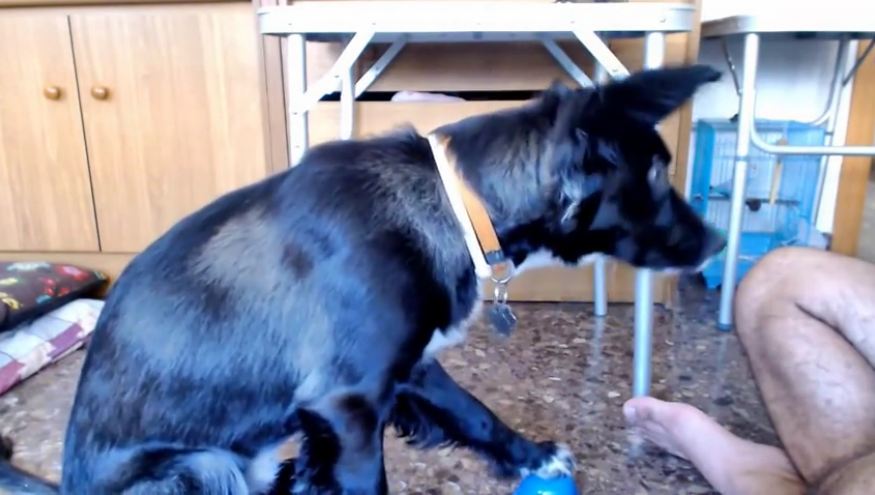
point(172, 112)
point(45, 194)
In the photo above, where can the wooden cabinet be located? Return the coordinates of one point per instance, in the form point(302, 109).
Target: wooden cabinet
point(117, 121)
point(45, 194)
point(171, 106)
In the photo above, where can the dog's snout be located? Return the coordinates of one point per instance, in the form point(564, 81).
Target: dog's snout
point(714, 243)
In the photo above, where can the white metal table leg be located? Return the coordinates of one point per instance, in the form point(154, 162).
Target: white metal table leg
point(654, 54)
point(296, 75)
point(347, 104)
point(739, 178)
point(333, 79)
point(565, 62)
point(600, 266)
point(643, 332)
point(600, 286)
point(602, 53)
point(376, 70)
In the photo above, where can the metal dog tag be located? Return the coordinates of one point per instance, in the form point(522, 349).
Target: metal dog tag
point(502, 318)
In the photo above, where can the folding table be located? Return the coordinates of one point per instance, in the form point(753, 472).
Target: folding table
point(814, 22)
point(359, 23)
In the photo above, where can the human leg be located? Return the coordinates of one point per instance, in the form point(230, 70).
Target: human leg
point(856, 477)
point(805, 318)
point(732, 465)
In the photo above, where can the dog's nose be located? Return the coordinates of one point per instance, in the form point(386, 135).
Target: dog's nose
point(714, 243)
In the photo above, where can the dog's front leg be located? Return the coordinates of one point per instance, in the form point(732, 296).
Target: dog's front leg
point(432, 409)
point(342, 452)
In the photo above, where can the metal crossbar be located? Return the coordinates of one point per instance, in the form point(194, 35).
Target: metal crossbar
point(845, 24)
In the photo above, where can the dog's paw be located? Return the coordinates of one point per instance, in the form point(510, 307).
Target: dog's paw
point(302, 488)
point(557, 461)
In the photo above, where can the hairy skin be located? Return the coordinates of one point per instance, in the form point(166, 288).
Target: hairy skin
point(807, 337)
point(304, 303)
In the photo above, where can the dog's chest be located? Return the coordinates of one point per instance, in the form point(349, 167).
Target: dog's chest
point(544, 258)
point(450, 337)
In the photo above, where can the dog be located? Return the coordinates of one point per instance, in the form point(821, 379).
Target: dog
point(315, 301)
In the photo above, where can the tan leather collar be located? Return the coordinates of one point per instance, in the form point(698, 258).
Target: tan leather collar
point(480, 237)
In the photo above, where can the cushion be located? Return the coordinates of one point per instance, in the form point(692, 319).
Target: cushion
point(32, 346)
point(31, 289)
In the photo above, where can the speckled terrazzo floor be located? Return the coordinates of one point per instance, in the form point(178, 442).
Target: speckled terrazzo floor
point(560, 376)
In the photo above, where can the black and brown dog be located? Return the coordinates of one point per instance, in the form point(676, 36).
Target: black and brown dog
point(313, 302)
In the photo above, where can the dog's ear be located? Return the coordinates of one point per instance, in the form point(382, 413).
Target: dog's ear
point(651, 95)
point(568, 114)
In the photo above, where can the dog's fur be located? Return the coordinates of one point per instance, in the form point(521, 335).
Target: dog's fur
point(313, 302)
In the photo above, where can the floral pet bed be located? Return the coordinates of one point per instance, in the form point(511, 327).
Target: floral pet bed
point(32, 346)
point(31, 289)
point(45, 314)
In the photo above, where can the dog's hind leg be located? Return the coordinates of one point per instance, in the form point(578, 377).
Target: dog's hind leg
point(342, 451)
point(432, 409)
point(285, 478)
point(173, 471)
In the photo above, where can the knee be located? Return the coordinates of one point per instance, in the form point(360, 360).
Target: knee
point(772, 281)
point(768, 275)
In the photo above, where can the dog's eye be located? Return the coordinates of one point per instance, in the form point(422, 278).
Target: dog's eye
point(655, 174)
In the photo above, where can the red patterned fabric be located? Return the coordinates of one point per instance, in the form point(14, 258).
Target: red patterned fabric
point(31, 289)
point(30, 347)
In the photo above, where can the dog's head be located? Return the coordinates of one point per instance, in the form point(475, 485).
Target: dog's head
point(585, 171)
point(627, 207)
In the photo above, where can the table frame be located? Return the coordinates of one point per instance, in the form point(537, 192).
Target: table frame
point(401, 23)
point(839, 25)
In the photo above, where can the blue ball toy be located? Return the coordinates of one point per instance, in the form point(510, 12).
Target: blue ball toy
point(534, 485)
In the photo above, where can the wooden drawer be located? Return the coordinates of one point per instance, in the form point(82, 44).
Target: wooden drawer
point(520, 66)
point(378, 117)
point(375, 117)
point(477, 67)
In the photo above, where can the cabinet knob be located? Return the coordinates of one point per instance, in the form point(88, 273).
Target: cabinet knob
point(52, 92)
point(100, 92)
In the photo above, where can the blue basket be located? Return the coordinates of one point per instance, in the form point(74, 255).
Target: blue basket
point(772, 219)
point(764, 227)
point(714, 161)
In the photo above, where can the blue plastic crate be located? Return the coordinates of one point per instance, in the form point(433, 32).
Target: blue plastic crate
point(770, 220)
point(765, 228)
point(714, 161)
